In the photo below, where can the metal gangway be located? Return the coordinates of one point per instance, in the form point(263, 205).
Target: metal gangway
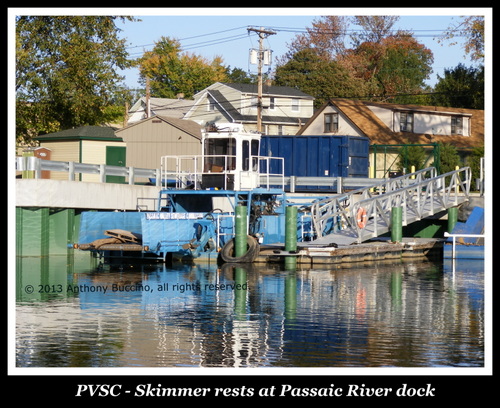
point(365, 213)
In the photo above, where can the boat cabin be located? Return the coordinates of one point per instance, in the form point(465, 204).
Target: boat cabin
point(229, 161)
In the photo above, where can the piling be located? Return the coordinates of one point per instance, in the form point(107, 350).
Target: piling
point(240, 238)
point(397, 224)
point(452, 218)
point(291, 228)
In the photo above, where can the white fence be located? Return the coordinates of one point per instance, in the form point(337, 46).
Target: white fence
point(37, 165)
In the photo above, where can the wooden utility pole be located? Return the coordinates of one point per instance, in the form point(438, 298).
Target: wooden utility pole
point(262, 34)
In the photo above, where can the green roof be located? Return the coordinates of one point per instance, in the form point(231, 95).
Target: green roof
point(82, 132)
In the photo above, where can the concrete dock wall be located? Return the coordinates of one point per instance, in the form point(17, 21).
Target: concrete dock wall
point(74, 194)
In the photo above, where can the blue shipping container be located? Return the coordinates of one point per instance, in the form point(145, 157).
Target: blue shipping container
point(319, 156)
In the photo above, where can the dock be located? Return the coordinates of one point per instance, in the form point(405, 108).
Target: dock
point(376, 250)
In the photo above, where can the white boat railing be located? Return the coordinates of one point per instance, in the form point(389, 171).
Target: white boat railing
point(188, 171)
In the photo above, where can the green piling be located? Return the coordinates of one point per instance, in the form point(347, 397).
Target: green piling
point(452, 218)
point(397, 224)
point(240, 238)
point(291, 228)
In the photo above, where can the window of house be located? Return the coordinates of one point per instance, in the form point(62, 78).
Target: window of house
point(457, 126)
point(406, 122)
point(331, 122)
point(295, 105)
point(272, 104)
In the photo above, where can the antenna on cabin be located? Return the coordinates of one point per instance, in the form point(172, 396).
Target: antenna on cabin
point(263, 58)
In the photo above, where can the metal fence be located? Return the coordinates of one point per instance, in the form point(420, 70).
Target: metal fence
point(32, 167)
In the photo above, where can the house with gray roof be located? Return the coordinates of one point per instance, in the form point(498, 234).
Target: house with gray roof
point(173, 108)
point(285, 109)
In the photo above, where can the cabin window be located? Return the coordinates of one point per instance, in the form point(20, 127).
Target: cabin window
point(220, 154)
point(250, 155)
point(406, 122)
point(331, 122)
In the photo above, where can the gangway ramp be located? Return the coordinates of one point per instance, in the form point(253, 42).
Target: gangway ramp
point(338, 220)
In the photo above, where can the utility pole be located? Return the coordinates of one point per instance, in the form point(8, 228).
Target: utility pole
point(262, 34)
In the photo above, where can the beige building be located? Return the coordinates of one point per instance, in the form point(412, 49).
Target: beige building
point(85, 144)
point(150, 139)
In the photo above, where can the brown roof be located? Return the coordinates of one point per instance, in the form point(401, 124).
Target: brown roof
point(362, 117)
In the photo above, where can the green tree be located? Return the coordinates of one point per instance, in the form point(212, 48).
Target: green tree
point(318, 76)
point(412, 156)
point(474, 161)
point(171, 72)
point(66, 72)
point(460, 87)
point(239, 76)
point(449, 157)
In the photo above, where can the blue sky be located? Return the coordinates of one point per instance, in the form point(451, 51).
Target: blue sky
point(223, 31)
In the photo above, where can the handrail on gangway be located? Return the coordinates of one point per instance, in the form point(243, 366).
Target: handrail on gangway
point(420, 194)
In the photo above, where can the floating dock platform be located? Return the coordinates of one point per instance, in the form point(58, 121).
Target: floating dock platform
point(379, 249)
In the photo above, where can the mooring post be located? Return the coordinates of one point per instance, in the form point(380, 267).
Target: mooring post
point(291, 228)
point(240, 229)
point(397, 224)
point(452, 218)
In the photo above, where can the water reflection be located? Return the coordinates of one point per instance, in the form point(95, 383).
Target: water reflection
point(71, 313)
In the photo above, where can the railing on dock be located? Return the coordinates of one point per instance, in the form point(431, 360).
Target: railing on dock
point(454, 240)
point(34, 166)
point(420, 194)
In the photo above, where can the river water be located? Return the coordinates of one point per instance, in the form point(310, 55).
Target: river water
point(71, 312)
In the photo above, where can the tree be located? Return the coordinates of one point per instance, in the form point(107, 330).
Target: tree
point(171, 72)
point(322, 78)
point(460, 87)
point(472, 28)
point(326, 37)
point(380, 64)
point(412, 156)
point(449, 157)
point(474, 162)
point(239, 76)
point(66, 72)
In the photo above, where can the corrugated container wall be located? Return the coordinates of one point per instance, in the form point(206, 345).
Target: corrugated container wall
point(319, 156)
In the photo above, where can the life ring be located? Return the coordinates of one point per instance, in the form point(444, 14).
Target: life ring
point(227, 252)
point(361, 217)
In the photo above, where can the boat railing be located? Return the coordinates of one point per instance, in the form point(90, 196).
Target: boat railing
point(183, 171)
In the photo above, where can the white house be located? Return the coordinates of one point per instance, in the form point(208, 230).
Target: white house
point(284, 111)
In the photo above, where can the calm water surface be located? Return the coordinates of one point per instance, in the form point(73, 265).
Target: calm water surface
point(71, 313)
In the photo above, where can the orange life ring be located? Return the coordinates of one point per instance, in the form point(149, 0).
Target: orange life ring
point(361, 217)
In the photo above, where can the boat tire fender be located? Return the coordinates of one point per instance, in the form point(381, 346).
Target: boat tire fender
point(227, 251)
